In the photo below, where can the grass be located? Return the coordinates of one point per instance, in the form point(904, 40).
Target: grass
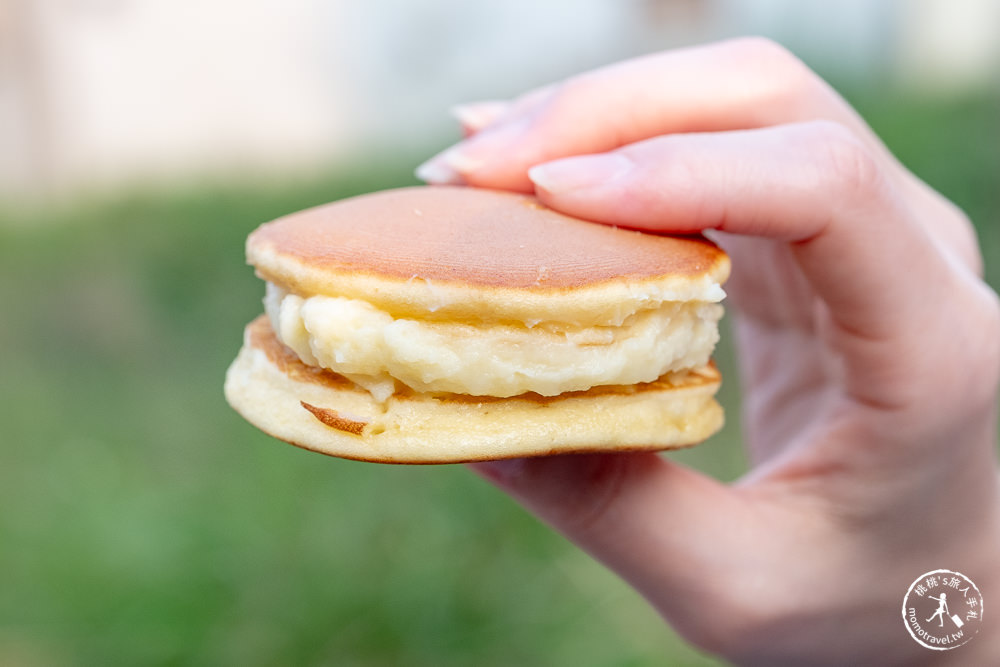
point(143, 522)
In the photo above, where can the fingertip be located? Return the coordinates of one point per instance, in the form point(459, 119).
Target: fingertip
point(502, 472)
point(449, 167)
point(542, 180)
point(569, 176)
point(475, 116)
point(560, 487)
point(436, 172)
point(497, 157)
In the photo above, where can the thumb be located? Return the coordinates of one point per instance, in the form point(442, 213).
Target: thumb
point(654, 522)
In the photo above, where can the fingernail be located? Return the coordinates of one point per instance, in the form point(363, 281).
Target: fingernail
point(437, 173)
point(447, 168)
point(477, 115)
point(576, 173)
point(456, 163)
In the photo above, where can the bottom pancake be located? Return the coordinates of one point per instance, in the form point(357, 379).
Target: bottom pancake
point(319, 410)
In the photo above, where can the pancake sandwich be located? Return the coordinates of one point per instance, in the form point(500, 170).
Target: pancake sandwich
point(444, 324)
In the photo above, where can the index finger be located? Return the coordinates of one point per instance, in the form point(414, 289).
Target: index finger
point(741, 84)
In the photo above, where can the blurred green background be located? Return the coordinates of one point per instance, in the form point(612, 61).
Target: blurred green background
point(143, 522)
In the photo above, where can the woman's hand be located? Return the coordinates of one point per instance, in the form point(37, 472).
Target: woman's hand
point(869, 350)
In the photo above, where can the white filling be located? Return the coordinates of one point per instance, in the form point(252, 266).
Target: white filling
point(374, 349)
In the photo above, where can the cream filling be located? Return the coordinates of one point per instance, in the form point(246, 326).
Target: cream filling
point(371, 347)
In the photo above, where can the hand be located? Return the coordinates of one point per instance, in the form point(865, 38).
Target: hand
point(869, 353)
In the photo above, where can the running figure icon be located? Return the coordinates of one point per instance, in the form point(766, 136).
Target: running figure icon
point(941, 610)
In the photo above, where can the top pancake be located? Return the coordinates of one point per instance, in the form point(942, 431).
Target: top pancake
point(482, 254)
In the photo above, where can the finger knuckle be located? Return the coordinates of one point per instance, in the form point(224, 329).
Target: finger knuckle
point(573, 94)
point(990, 362)
point(749, 616)
point(779, 72)
point(848, 166)
point(963, 236)
point(761, 49)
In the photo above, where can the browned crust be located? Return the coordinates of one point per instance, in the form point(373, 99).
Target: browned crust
point(333, 419)
point(555, 451)
point(569, 451)
point(262, 337)
point(261, 341)
point(474, 237)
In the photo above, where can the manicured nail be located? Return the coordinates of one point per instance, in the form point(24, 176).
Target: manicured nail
point(477, 115)
point(447, 168)
point(575, 173)
point(436, 172)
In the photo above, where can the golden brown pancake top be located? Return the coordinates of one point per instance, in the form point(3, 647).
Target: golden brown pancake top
point(475, 237)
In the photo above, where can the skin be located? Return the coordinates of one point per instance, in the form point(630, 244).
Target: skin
point(869, 352)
